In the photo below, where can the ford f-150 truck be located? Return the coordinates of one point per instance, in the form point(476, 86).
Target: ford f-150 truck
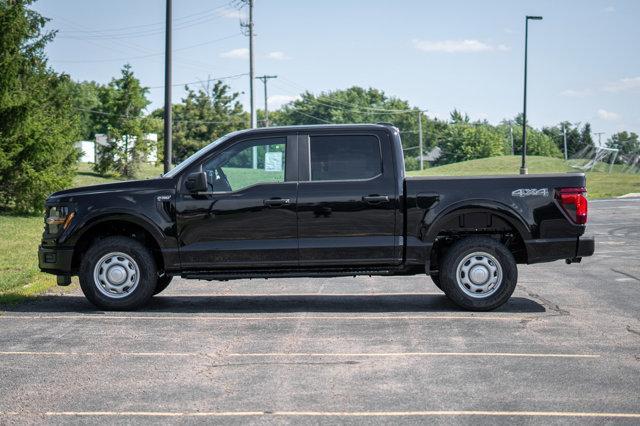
point(311, 201)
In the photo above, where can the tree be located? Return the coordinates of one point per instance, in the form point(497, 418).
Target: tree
point(38, 122)
point(538, 142)
point(360, 105)
point(627, 145)
point(461, 142)
point(123, 102)
point(203, 117)
point(458, 117)
point(87, 102)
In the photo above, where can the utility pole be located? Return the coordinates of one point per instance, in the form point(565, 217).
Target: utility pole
point(523, 167)
point(564, 138)
point(264, 79)
point(249, 32)
point(599, 137)
point(167, 89)
point(420, 139)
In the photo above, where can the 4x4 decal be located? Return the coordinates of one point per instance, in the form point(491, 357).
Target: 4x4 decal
point(530, 192)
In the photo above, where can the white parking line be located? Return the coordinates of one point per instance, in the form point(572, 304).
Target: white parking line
point(299, 295)
point(452, 413)
point(268, 318)
point(303, 354)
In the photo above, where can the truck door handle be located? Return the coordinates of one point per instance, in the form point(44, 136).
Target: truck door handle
point(276, 202)
point(375, 199)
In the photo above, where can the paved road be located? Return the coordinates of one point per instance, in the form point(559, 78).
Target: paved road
point(366, 350)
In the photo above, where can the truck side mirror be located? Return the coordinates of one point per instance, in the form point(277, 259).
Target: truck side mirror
point(197, 182)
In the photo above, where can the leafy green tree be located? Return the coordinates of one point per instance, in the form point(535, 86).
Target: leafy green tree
point(538, 143)
point(462, 142)
point(627, 145)
point(359, 105)
point(458, 117)
point(38, 122)
point(204, 116)
point(123, 102)
point(87, 101)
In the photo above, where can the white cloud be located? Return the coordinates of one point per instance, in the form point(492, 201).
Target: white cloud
point(232, 13)
point(242, 53)
point(609, 9)
point(277, 55)
point(571, 93)
point(608, 115)
point(456, 46)
point(276, 101)
point(623, 85)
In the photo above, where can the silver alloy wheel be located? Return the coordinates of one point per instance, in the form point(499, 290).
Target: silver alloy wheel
point(479, 275)
point(116, 275)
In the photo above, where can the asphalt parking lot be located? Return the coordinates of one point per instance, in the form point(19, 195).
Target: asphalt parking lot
point(566, 348)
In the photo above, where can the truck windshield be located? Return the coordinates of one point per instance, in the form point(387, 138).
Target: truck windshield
point(194, 157)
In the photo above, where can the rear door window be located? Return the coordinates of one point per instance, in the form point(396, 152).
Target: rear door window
point(345, 157)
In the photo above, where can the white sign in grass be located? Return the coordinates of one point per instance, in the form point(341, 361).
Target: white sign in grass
point(273, 162)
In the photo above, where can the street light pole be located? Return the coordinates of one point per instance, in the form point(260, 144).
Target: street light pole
point(523, 167)
point(420, 139)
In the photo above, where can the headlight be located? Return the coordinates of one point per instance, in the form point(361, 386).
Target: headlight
point(58, 218)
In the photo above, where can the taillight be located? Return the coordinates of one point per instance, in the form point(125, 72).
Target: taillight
point(574, 203)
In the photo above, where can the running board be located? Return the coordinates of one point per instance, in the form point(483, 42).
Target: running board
point(249, 274)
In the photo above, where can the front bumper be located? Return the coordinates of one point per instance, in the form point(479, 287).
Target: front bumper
point(548, 250)
point(55, 260)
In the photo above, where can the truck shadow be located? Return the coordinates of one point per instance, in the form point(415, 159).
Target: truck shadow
point(278, 304)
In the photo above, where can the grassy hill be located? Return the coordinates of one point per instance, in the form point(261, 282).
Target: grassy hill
point(600, 184)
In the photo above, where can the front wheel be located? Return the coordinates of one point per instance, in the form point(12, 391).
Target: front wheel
point(478, 273)
point(118, 273)
point(162, 283)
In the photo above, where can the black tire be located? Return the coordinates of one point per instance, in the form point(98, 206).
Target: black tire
point(142, 259)
point(495, 295)
point(436, 280)
point(162, 283)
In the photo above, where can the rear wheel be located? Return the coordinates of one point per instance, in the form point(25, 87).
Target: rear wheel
point(478, 273)
point(118, 273)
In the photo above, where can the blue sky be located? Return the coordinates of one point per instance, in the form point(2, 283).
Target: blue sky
point(583, 57)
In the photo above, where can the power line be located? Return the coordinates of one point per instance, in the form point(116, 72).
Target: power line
point(226, 77)
point(175, 120)
point(150, 54)
point(152, 24)
point(381, 110)
point(102, 34)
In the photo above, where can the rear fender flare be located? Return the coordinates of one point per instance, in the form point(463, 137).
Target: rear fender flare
point(431, 229)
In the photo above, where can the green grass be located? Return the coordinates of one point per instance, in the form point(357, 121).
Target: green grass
point(86, 175)
point(19, 273)
point(600, 184)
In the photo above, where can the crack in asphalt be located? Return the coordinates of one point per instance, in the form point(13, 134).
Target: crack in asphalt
point(626, 274)
point(546, 303)
point(631, 330)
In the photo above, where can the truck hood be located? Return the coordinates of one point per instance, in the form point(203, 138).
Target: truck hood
point(115, 187)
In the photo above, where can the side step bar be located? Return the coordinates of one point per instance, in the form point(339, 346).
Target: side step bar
point(236, 275)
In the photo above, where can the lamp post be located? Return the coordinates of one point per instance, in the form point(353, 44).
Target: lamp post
point(523, 167)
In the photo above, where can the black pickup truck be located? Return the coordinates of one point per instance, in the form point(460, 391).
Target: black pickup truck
point(311, 201)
